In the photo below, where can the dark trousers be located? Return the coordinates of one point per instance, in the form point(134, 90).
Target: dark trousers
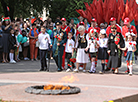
point(69, 55)
point(43, 58)
point(58, 58)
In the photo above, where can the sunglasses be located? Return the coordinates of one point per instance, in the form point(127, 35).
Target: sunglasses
point(113, 28)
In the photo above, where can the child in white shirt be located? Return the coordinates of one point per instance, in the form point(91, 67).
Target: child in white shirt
point(44, 40)
point(93, 49)
point(102, 52)
point(130, 46)
point(69, 50)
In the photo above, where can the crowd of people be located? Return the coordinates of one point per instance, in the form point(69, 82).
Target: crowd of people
point(80, 43)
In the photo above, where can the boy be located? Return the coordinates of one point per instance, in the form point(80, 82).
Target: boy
point(44, 40)
point(69, 50)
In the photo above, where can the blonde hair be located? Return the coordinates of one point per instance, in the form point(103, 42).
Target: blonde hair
point(80, 28)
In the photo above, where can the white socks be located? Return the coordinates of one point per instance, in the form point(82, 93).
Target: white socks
point(11, 56)
point(93, 67)
point(130, 69)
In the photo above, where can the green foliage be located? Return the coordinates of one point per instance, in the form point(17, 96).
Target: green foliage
point(23, 8)
point(66, 8)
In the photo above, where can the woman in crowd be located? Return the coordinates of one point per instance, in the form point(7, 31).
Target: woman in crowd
point(26, 44)
point(1, 46)
point(115, 41)
point(6, 27)
point(33, 38)
point(81, 44)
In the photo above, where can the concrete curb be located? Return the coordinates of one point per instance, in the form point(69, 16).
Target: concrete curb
point(133, 98)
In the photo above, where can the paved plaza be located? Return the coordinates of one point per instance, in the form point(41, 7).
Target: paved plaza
point(15, 78)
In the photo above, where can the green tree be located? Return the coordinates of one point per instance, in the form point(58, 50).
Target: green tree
point(75, 4)
point(23, 8)
point(66, 8)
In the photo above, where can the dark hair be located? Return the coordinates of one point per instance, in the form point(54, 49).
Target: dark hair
point(11, 30)
point(24, 33)
point(70, 33)
point(33, 24)
point(3, 23)
point(133, 38)
point(16, 31)
point(43, 27)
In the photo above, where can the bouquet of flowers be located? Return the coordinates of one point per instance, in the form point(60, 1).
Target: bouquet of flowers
point(117, 39)
point(72, 59)
point(59, 37)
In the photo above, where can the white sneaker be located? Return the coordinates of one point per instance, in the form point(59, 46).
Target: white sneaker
point(12, 62)
point(130, 74)
point(68, 70)
point(84, 71)
point(80, 68)
point(26, 59)
point(76, 70)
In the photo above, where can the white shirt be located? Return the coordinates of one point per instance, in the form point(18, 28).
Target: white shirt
point(130, 45)
point(70, 44)
point(103, 42)
point(91, 45)
point(44, 39)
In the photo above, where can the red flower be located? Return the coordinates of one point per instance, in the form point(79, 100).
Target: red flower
point(59, 38)
point(56, 36)
point(89, 38)
point(97, 39)
point(71, 60)
point(35, 29)
point(94, 38)
point(134, 44)
point(68, 64)
point(116, 42)
point(130, 43)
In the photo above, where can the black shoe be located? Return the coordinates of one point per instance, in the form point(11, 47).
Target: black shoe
point(59, 70)
point(107, 69)
point(41, 70)
point(90, 72)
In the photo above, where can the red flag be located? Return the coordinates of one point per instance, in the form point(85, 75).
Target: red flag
point(8, 9)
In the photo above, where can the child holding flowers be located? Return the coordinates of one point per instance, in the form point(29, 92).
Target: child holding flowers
point(92, 47)
point(69, 50)
point(130, 46)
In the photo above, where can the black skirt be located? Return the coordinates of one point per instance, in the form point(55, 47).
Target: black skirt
point(5, 41)
point(102, 54)
point(114, 61)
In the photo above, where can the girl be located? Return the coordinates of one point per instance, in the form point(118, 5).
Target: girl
point(69, 50)
point(12, 46)
point(102, 52)
point(92, 47)
point(130, 45)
